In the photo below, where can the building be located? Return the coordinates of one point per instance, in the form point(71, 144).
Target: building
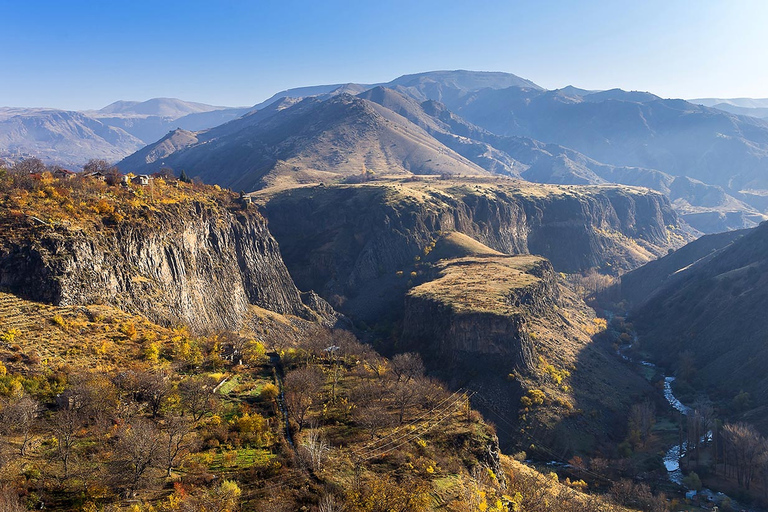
point(64, 174)
point(142, 180)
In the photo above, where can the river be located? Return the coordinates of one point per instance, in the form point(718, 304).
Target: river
point(676, 452)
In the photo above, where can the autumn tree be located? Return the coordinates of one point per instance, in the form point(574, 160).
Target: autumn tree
point(746, 448)
point(407, 366)
point(18, 418)
point(197, 395)
point(302, 390)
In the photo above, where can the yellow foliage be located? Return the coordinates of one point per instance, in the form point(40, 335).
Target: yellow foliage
point(151, 352)
point(10, 335)
point(3, 370)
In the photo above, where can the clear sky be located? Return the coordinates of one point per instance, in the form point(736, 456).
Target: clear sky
point(79, 54)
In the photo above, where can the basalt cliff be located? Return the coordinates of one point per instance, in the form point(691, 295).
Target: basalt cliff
point(196, 262)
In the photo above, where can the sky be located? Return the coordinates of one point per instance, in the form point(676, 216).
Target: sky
point(78, 54)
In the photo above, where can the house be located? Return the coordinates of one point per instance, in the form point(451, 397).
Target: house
point(142, 180)
point(98, 175)
point(64, 174)
point(245, 200)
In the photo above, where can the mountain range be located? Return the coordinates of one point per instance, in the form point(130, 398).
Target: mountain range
point(710, 163)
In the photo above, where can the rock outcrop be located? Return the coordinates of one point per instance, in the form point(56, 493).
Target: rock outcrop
point(344, 241)
point(193, 263)
point(474, 312)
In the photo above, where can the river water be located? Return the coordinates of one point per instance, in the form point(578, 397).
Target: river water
point(676, 452)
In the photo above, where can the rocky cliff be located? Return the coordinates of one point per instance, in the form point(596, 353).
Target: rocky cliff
point(348, 242)
point(194, 262)
point(475, 310)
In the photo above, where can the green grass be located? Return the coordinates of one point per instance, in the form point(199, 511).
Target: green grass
point(243, 458)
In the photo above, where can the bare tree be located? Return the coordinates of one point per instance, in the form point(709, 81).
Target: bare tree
point(329, 504)
point(98, 165)
point(315, 447)
point(19, 418)
point(404, 395)
point(64, 426)
point(176, 442)
point(29, 166)
point(138, 447)
point(746, 447)
point(197, 395)
point(302, 390)
point(373, 417)
point(407, 366)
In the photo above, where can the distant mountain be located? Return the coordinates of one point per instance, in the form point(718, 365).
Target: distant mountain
point(631, 129)
point(436, 85)
point(708, 208)
point(309, 141)
point(160, 107)
point(305, 92)
point(736, 102)
point(61, 137)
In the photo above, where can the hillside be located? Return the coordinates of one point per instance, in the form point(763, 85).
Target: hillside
point(313, 140)
point(226, 407)
point(713, 313)
point(507, 328)
point(347, 242)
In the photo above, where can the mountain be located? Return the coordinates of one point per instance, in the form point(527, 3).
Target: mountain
point(427, 85)
point(304, 92)
point(735, 102)
point(157, 107)
point(312, 140)
point(152, 119)
point(629, 129)
point(707, 207)
point(61, 137)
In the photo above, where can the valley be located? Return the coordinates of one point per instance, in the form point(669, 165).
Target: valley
point(425, 294)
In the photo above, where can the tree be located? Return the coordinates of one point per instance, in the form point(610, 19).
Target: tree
point(176, 441)
point(29, 166)
point(302, 389)
point(98, 165)
point(407, 366)
point(746, 448)
point(183, 177)
point(64, 426)
point(150, 387)
point(19, 418)
point(138, 446)
point(315, 447)
point(197, 395)
point(404, 395)
point(373, 417)
point(642, 418)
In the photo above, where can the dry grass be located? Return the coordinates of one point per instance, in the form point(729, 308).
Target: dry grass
point(480, 284)
point(92, 337)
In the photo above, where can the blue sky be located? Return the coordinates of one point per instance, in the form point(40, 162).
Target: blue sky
point(85, 54)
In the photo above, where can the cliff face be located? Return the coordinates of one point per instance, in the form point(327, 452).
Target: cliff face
point(344, 240)
point(474, 313)
point(194, 263)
